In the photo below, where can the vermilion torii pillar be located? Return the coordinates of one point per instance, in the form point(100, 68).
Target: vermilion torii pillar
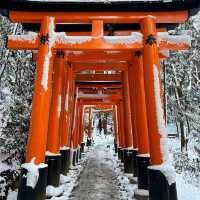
point(128, 151)
point(74, 127)
point(89, 140)
point(133, 118)
point(122, 144)
point(143, 157)
point(82, 143)
point(53, 157)
point(64, 120)
point(77, 129)
point(37, 138)
point(116, 127)
point(155, 117)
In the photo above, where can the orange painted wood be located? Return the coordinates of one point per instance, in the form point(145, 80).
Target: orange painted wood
point(53, 137)
point(98, 77)
point(127, 111)
point(74, 109)
point(167, 45)
point(115, 123)
point(77, 128)
point(150, 57)
point(100, 57)
point(95, 44)
point(99, 85)
point(107, 17)
point(37, 137)
point(106, 66)
point(131, 76)
point(71, 103)
point(115, 32)
point(97, 28)
point(119, 138)
point(90, 124)
point(91, 57)
point(82, 124)
point(122, 122)
point(65, 108)
point(103, 106)
point(93, 102)
point(140, 109)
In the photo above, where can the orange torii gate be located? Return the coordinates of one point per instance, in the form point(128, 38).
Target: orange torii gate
point(58, 110)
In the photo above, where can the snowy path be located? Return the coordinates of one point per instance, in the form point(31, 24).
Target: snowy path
point(100, 176)
point(98, 180)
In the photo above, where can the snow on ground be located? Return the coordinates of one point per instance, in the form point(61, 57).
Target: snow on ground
point(186, 191)
point(67, 183)
point(125, 188)
point(104, 144)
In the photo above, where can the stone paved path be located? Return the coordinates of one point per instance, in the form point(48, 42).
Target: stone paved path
point(97, 181)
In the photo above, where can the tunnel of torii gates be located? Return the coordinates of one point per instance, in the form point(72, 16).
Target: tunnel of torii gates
point(64, 90)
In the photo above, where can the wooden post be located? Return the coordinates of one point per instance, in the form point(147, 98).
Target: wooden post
point(143, 158)
point(131, 76)
point(127, 111)
point(159, 187)
point(72, 108)
point(151, 60)
point(123, 142)
point(132, 90)
point(64, 121)
point(140, 111)
point(53, 157)
point(82, 129)
point(82, 125)
point(37, 138)
point(53, 139)
point(90, 125)
point(115, 127)
point(74, 128)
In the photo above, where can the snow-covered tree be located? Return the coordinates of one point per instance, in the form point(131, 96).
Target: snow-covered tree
point(16, 87)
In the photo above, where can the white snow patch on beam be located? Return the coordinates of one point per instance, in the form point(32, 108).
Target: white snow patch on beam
point(32, 172)
point(62, 38)
point(174, 39)
point(135, 37)
point(30, 37)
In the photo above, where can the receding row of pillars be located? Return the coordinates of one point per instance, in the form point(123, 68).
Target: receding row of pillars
point(139, 120)
point(57, 119)
point(59, 115)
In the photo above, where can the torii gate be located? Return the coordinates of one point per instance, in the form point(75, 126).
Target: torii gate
point(57, 112)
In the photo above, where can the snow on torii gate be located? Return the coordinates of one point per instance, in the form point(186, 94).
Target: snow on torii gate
point(144, 65)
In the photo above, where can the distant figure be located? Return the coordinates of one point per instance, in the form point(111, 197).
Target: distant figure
point(100, 126)
point(105, 126)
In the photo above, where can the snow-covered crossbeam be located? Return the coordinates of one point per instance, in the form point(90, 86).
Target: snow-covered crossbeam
point(78, 43)
point(179, 40)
